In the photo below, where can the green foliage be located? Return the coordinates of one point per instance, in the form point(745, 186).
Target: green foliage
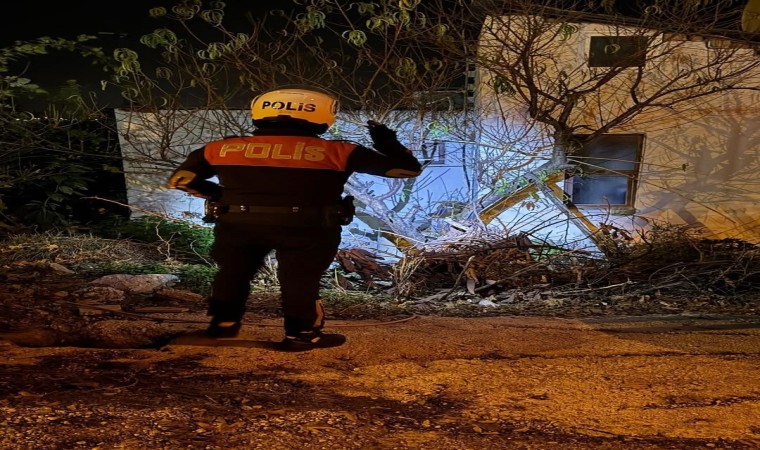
point(67, 181)
point(13, 86)
point(196, 278)
point(547, 252)
point(310, 20)
point(81, 252)
point(341, 298)
point(502, 85)
point(567, 30)
point(51, 157)
point(304, 43)
point(131, 268)
point(48, 166)
point(183, 241)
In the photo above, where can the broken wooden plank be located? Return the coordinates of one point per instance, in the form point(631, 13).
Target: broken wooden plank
point(98, 310)
point(161, 309)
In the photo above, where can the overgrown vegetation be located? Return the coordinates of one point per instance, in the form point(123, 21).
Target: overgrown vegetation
point(57, 147)
point(506, 86)
point(50, 168)
point(667, 261)
point(175, 240)
point(57, 160)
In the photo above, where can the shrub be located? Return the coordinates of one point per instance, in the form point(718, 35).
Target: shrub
point(182, 241)
point(196, 278)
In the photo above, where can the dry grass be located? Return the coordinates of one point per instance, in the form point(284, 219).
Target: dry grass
point(75, 250)
point(668, 259)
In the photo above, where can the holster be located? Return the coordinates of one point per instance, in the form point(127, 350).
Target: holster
point(211, 210)
point(346, 210)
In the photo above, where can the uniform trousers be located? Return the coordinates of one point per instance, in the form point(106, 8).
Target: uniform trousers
point(303, 254)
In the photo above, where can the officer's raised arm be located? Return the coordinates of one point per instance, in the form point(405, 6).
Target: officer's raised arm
point(390, 158)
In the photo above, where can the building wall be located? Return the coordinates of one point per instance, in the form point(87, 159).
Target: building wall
point(704, 170)
point(700, 159)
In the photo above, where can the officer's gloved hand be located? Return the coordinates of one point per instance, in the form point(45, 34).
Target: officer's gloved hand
point(385, 140)
point(380, 133)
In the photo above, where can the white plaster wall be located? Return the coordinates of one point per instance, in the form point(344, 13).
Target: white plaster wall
point(154, 143)
point(704, 171)
point(700, 161)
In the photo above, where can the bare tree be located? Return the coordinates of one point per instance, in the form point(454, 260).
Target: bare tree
point(534, 68)
point(370, 55)
point(389, 56)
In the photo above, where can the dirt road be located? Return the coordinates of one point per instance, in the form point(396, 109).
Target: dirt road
point(666, 382)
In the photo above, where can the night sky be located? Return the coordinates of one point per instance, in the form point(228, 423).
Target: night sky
point(24, 19)
point(29, 19)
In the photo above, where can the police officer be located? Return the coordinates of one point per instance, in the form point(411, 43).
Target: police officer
point(281, 189)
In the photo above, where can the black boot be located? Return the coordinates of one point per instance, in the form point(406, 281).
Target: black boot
point(309, 340)
point(223, 329)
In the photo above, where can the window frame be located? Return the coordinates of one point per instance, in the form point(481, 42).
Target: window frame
point(633, 59)
point(439, 157)
point(632, 175)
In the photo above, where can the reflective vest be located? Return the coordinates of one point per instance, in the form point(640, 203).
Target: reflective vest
point(297, 152)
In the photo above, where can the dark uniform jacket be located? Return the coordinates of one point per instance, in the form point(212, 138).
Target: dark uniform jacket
point(286, 167)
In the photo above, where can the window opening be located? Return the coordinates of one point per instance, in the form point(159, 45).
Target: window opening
point(609, 169)
point(433, 153)
point(617, 51)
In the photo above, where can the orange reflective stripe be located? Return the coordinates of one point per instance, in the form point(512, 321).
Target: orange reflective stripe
point(320, 321)
point(279, 151)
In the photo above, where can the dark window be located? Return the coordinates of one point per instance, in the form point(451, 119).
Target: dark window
point(609, 168)
point(617, 51)
point(433, 153)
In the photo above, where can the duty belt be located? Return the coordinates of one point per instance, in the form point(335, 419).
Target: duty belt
point(271, 209)
point(329, 215)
